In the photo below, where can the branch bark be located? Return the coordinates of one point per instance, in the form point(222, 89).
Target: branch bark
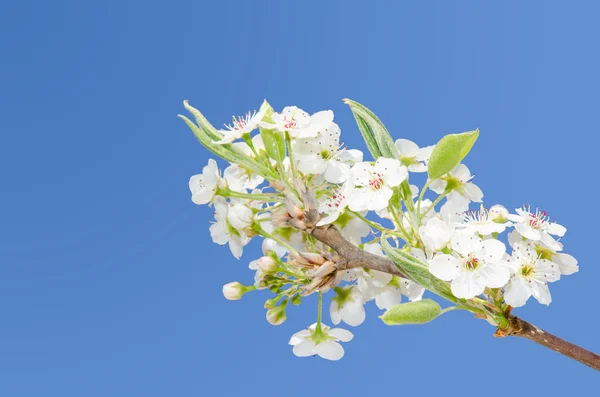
point(355, 257)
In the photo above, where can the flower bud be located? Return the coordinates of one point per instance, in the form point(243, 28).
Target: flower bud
point(233, 291)
point(296, 300)
point(267, 264)
point(276, 315)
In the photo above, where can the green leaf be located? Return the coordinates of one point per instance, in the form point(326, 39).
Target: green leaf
point(273, 140)
point(419, 312)
point(228, 151)
point(417, 271)
point(449, 152)
point(376, 136)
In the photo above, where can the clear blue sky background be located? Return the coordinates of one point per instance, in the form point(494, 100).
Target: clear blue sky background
point(109, 283)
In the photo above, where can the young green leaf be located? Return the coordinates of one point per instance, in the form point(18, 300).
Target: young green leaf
point(419, 312)
point(449, 152)
point(273, 140)
point(376, 136)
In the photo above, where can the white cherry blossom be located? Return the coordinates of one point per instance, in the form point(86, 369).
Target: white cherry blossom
point(375, 183)
point(323, 155)
point(310, 342)
point(298, 123)
point(485, 222)
point(536, 226)
point(223, 232)
point(347, 306)
point(479, 264)
point(240, 126)
point(412, 156)
point(436, 233)
point(531, 277)
point(459, 180)
point(332, 204)
point(204, 186)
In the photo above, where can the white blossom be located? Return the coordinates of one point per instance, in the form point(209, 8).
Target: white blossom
point(240, 126)
point(347, 306)
point(375, 183)
point(310, 342)
point(479, 264)
point(459, 179)
point(531, 277)
point(204, 186)
point(537, 227)
point(298, 123)
point(412, 156)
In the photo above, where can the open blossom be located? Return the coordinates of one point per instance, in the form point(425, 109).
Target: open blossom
point(229, 221)
point(240, 179)
point(480, 264)
point(375, 183)
point(240, 126)
point(298, 123)
point(485, 222)
point(436, 233)
point(323, 155)
point(537, 227)
point(204, 186)
point(566, 263)
point(347, 306)
point(459, 180)
point(310, 342)
point(412, 156)
point(333, 203)
point(531, 277)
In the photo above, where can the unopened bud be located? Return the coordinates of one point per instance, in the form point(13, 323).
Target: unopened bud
point(267, 264)
point(233, 291)
point(276, 315)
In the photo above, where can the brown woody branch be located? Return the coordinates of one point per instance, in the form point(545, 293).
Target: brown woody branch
point(355, 257)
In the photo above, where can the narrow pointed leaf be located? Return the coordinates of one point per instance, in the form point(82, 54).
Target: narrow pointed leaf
point(449, 152)
point(273, 140)
point(373, 131)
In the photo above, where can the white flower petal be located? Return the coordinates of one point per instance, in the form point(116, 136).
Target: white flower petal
point(445, 267)
point(341, 334)
point(517, 292)
point(304, 349)
point(330, 350)
point(466, 285)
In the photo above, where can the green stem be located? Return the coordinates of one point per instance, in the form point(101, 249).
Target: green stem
point(436, 202)
point(374, 225)
point(319, 312)
point(258, 229)
point(421, 197)
point(248, 140)
point(288, 142)
point(258, 197)
point(405, 234)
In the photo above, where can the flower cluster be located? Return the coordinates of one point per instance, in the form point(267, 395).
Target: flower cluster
point(290, 174)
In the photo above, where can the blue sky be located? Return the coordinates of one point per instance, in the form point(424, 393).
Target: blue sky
point(109, 283)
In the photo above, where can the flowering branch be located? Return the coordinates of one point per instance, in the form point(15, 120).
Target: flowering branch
point(309, 198)
point(356, 257)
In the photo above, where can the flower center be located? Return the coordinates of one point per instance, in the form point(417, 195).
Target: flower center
point(289, 123)
point(240, 122)
point(538, 219)
point(325, 154)
point(336, 200)
point(526, 270)
point(471, 262)
point(376, 181)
